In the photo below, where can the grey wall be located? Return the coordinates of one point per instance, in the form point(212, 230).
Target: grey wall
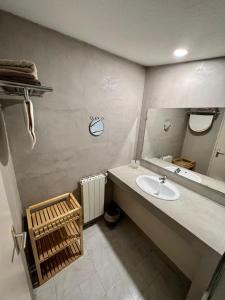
point(199, 146)
point(86, 82)
point(157, 141)
point(192, 84)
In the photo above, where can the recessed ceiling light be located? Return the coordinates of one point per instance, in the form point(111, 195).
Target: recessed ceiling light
point(180, 52)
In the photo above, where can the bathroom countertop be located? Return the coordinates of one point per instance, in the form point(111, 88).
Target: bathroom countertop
point(200, 216)
point(206, 180)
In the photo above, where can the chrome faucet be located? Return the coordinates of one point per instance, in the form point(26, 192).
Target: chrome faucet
point(177, 171)
point(162, 179)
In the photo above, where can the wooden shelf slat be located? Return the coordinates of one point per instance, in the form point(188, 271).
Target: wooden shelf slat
point(59, 261)
point(41, 222)
point(56, 241)
point(54, 216)
point(52, 228)
point(61, 208)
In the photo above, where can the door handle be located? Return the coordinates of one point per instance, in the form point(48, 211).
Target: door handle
point(19, 242)
point(219, 153)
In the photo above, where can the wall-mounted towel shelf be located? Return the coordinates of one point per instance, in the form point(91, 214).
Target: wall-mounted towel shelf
point(207, 111)
point(14, 92)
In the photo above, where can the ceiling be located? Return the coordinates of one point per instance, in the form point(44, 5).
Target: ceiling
point(144, 31)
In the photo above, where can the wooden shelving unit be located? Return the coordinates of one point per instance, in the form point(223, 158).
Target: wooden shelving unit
point(55, 228)
point(184, 163)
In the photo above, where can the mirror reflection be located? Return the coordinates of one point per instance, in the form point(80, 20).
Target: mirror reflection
point(187, 141)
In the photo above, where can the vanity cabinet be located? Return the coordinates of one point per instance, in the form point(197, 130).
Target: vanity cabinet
point(188, 230)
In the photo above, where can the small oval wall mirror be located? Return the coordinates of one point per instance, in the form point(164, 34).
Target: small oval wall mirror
point(96, 126)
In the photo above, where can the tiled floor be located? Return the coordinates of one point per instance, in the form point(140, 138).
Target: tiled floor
point(118, 264)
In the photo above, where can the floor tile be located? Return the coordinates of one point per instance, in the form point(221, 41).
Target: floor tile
point(159, 290)
point(101, 257)
point(93, 289)
point(136, 286)
point(109, 276)
point(73, 275)
point(179, 288)
point(45, 292)
point(120, 291)
point(72, 294)
point(118, 264)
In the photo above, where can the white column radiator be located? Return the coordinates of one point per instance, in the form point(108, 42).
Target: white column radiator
point(93, 195)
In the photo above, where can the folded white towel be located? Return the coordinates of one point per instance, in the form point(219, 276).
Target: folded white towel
point(23, 66)
point(15, 73)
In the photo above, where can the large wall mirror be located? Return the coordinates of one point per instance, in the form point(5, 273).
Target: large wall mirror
point(189, 142)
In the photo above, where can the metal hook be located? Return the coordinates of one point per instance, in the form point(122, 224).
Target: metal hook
point(96, 118)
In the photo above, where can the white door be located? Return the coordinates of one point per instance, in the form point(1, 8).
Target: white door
point(13, 280)
point(217, 163)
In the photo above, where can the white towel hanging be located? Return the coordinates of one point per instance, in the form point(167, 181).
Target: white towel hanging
point(29, 117)
point(200, 123)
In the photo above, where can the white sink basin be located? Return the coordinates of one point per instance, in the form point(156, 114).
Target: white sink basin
point(152, 186)
point(185, 173)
